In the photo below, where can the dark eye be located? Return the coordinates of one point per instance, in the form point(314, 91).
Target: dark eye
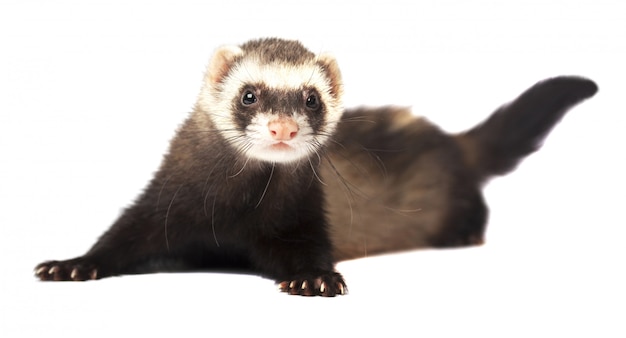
point(248, 98)
point(312, 102)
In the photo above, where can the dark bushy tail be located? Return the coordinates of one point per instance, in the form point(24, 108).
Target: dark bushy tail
point(517, 129)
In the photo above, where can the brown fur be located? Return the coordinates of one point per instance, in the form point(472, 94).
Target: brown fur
point(394, 189)
point(393, 182)
point(397, 182)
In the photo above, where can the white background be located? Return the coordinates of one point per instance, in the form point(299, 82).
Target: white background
point(91, 92)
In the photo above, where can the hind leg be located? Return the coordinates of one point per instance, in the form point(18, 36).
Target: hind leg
point(464, 223)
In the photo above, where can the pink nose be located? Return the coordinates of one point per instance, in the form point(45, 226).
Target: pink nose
point(283, 129)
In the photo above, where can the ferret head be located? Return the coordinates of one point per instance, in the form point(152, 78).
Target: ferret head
point(272, 99)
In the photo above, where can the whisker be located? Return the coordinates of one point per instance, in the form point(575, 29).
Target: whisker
point(378, 160)
point(315, 147)
point(402, 212)
point(347, 191)
point(267, 185)
point(213, 222)
point(344, 182)
point(242, 167)
point(315, 173)
point(354, 189)
point(206, 190)
point(310, 80)
point(210, 175)
point(213, 130)
point(296, 166)
point(167, 214)
point(352, 119)
point(158, 202)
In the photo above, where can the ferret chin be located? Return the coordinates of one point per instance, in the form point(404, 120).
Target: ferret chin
point(269, 174)
point(282, 140)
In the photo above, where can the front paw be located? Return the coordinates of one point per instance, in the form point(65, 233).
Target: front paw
point(326, 285)
point(71, 270)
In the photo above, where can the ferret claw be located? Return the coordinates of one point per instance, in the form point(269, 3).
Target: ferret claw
point(342, 290)
point(324, 285)
point(71, 270)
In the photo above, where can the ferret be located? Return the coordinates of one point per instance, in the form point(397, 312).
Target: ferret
point(270, 174)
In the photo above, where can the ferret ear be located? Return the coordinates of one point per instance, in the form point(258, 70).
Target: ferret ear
point(331, 69)
point(222, 61)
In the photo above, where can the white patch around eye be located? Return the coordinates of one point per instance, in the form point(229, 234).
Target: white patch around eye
point(283, 77)
point(279, 75)
point(259, 144)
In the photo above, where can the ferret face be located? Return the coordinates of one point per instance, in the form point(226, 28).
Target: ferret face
point(273, 105)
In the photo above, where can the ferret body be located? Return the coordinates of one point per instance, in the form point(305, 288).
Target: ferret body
point(269, 174)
